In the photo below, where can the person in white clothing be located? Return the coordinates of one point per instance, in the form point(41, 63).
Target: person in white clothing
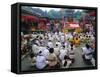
point(56, 36)
point(71, 46)
point(66, 62)
point(62, 38)
point(63, 52)
point(72, 55)
point(35, 49)
point(57, 50)
point(40, 61)
point(45, 52)
point(87, 54)
point(58, 43)
point(50, 44)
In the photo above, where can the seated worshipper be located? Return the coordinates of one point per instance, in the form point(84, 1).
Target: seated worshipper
point(32, 59)
point(36, 40)
point(92, 38)
point(77, 41)
point(66, 36)
point(49, 34)
point(66, 44)
point(35, 49)
point(40, 61)
point(87, 39)
point(52, 59)
point(63, 52)
point(56, 37)
point(70, 37)
point(58, 43)
point(93, 46)
point(83, 37)
point(66, 62)
point(71, 46)
point(45, 51)
point(51, 38)
point(71, 55)
point(62, 39)
point(41, 40)
point(50, 44)
point(56, 50)
point(87, 54)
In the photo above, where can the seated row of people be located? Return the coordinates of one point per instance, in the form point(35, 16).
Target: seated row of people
point(53, 58)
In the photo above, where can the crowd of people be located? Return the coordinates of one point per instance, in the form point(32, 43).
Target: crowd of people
point(57, 49)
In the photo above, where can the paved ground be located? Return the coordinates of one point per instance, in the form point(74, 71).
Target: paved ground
point(78, 59)
point(25, 64)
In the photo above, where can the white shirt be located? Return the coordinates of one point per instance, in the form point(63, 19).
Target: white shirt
point(56, 51)
point(66, 44)
point(40, 62)
point(66, 35)
point(69, 48)
point(92, 38)
point(45, 53)
point(68, 64)
point(62, 38)
point(51, 38)
point(35, 49)
point(50, 44)
point(70, 36)
point(55, 36)
point(63, 52)
point(37, 42)
point(59, 44)
point(41, 48)
point(44, 50)
point(71, 54)
point(86, 53)
point(49, 34)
